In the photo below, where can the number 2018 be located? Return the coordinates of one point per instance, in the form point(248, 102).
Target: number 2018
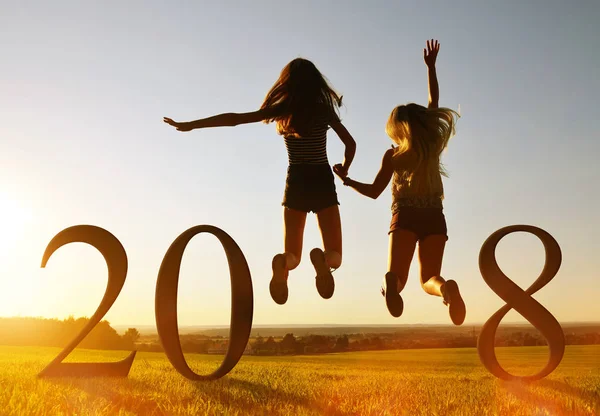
point(242, 302)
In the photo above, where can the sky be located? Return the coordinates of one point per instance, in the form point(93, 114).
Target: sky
point(84, 87)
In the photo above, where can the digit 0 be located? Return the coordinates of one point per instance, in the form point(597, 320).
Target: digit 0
point(521, 301)
point(116, 261)
point(241, 302)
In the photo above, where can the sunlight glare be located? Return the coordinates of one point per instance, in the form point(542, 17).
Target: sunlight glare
point(13, 218)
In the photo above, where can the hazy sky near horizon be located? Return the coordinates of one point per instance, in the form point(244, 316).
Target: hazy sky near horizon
point(84, 87)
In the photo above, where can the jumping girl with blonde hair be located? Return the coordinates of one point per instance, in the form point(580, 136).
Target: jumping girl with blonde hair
point(421, 134)
point(303, 105)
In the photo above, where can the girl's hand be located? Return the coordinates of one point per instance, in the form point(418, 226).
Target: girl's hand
point(340, 171)
point(178, 126)
point(430, 54)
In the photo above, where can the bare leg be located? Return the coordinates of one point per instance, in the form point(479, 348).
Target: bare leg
point(330, 225)
point(331, 233)
point(401, 251)
point(293, 229)
point(431, 252)
point(293, 235)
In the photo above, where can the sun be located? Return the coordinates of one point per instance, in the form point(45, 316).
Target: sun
point(13, 218)
point(15, 221)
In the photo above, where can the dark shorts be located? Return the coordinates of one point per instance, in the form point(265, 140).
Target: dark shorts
point(309, 188)
point(421, 221)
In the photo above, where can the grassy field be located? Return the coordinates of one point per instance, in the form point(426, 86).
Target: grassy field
point(411, 382)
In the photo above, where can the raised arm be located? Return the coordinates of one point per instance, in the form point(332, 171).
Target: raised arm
point(373, 190)
point(222, 120)
point(430, 55)
point(348, 141)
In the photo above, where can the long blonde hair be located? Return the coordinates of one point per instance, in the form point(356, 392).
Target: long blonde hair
point(422, 134)
point(300, 94)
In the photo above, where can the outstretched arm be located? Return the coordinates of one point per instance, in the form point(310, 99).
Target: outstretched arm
point(222, 120)
point(348, 140)
point(373, 190)
point(430, 55)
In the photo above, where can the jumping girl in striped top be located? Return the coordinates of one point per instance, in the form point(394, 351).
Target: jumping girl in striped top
point(421, 134)
point(304, 106)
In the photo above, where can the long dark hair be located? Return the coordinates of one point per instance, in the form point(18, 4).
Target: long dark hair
point(298, 96)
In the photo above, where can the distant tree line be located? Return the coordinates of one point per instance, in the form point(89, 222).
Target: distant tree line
point(319, 344)
point(192, 343)
point(58, 333)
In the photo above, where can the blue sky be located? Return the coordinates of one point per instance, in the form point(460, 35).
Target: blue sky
point(84, 88)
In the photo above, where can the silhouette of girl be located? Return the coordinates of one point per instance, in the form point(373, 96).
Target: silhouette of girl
point(421, 134)
point(303, 105)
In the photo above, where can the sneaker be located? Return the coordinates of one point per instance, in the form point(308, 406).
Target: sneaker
point(456, 305)
point(324, 279)
point(278, 286)
point(393, 300)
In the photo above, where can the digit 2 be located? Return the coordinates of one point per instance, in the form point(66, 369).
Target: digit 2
point(116, 260)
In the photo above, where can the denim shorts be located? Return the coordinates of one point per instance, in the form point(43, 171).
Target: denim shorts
point(309, 188)
point(421, 221)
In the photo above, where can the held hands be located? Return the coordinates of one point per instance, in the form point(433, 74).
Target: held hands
point(431, 52)
point(340, 171)
point(177, 125)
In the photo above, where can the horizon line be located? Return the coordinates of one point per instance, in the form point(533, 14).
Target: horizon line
point(308, 325)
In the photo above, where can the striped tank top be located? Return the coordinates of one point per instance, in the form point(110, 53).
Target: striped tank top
point(310, 149)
